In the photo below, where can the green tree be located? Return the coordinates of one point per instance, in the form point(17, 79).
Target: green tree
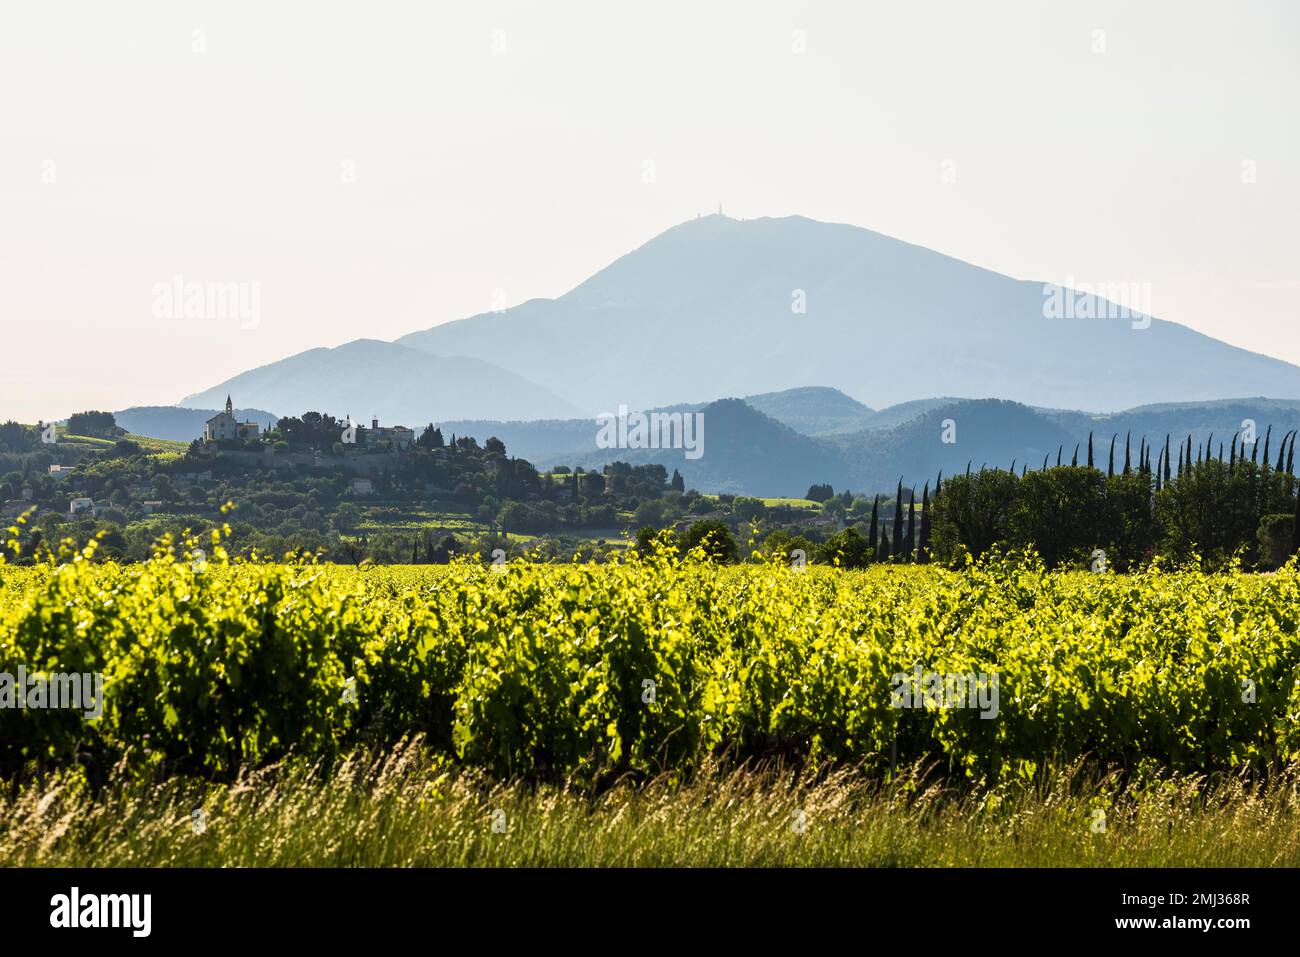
point(714, 538)
point(846, 548)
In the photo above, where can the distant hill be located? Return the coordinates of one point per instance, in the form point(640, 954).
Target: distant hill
point(181, 425)
point(748, 452)
point(813, 410)
point(398, 384)
point(810, 410)
point(745, 452)
point(906, 411)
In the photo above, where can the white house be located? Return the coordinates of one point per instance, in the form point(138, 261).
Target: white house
point(223, 426)
point(79, 505)
point(362, 486)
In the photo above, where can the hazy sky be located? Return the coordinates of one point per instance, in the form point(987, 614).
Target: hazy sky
point(381, 167)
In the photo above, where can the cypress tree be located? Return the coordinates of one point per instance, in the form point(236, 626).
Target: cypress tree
point(898, 519)
point(1295, 528)
point(1045, 455)
point(910, 543)
point(1166, 458)
point(872, 532)
point(1209, 447)
point(1267, 435)
point(1160, 458)
point(1232, 456)
point(884, 545)
point(1090, 449)
point(1110, 468)
point(923, 554)
point(1127, 436)
point(1074, 459)
point(1189, 454)
point(1254, 451)
point(1024, 469)
point(1290, 456)
point(1059, 450)
point(1281, 453)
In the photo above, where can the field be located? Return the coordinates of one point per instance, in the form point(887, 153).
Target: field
point(694, 709)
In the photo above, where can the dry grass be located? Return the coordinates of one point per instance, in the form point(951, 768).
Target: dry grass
point(407, 809)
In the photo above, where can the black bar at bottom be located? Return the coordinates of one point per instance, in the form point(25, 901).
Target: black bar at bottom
point(337, 907)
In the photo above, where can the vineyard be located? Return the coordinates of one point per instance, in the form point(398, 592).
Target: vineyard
point(588, 673)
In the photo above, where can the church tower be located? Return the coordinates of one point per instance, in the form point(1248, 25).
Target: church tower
point(230, 410)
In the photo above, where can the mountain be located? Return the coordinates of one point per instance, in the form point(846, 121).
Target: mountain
point(181, 425)
point(709, 308)
point(398, 384)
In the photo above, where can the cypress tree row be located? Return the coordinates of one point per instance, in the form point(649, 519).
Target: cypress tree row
point(1144, 510)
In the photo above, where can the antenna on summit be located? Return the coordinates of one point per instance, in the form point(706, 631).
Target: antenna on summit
point(719, 209)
